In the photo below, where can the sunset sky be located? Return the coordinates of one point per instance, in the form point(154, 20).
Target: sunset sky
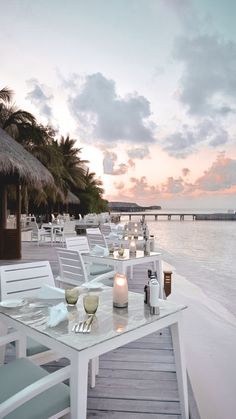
point(148, 87)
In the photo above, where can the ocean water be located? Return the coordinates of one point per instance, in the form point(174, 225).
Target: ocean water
point(202, 251)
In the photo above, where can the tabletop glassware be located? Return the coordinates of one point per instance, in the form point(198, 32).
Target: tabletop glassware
point(91, 302)
point(71, 296)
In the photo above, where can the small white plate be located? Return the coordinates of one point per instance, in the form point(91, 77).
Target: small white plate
point(93, 285)
point(12, 303)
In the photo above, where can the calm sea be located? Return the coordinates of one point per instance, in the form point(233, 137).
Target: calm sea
point(202, 251)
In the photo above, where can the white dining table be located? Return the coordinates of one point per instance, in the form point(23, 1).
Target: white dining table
point(111, 329)
point(52, 227)
point(122, 263)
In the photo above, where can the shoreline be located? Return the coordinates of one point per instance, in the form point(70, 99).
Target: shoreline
point(209, 340)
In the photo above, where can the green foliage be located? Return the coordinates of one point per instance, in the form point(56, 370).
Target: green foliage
point(59, 156)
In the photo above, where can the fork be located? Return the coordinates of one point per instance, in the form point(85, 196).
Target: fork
point(83, 326)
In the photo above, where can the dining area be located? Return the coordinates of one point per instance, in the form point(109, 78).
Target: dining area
point(116, 360)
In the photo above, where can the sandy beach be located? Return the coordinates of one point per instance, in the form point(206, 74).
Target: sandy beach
point(210, 342)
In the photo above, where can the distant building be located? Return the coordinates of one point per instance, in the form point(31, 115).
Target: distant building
point(130, 207)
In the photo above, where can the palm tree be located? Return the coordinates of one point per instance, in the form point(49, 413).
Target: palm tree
point(91, 198)
point(74, 166)
point(6, 95)
point(12, 119)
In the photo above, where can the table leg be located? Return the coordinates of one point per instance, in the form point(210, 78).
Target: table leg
point(78, 387)
point(21, 347)
point(94, 366)
point(180, 367)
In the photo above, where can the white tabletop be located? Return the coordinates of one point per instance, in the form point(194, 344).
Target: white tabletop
point(108, 323)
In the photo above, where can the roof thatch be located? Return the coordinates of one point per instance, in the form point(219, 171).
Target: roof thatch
point(15, 160)
point(72, 198)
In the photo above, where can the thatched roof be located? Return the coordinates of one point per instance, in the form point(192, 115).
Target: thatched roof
point(15, 160)
point(72, 198)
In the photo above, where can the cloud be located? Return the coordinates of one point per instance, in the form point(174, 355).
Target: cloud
point(188, 138)
point(185, 171)
point(138, 152)
point(109, 117)
point(109, 162)
point(208, 83)
point(119, 185)
point(173, 186)
point(40, 96)
point(70, 82)
point(221, 175)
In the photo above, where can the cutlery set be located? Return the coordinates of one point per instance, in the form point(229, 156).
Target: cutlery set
point(83, 326)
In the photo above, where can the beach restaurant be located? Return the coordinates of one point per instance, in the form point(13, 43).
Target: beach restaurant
point(77, 337)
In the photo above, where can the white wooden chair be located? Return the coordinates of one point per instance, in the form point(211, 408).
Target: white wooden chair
point(105, 229)
point(80, 244)
point(73, 271)
point(68, 230)
point(39, 234)
point(93, 230)
point(94, 239)
point(24, 280)
point(21, 381)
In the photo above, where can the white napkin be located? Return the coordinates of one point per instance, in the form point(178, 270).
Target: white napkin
point(46, 291)
point(57, 314)
point(100, 250)
point(113, 236)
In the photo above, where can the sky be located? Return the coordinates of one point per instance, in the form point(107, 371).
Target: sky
point(147, 87)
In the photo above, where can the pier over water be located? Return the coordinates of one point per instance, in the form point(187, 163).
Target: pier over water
point(178, 215)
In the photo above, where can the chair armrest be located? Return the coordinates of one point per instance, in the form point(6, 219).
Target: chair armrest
point(33, 390)
point(101, 277)
point(66, 281)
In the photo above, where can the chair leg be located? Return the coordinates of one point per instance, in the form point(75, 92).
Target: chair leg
point(93, 369)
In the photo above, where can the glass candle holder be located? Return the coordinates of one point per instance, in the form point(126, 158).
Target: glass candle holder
point(91, 303)
point(71, 296)
point(120, 291)
point(132, 247)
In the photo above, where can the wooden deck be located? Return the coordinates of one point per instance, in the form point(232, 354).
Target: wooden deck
point(136, 381)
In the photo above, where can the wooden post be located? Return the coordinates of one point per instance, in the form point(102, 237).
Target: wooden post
point(167, 282)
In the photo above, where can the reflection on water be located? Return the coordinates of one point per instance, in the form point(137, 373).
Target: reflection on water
point(202, 251)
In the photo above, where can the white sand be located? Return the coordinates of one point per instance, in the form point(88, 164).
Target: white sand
point(210, 349)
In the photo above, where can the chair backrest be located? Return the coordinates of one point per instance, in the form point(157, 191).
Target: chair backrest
point(24, 279)
point(34, 227)
point(69, 227)
point(78, 243)
point(94, 239)
point(105, 229)
point(72, 267)
point(93, 230)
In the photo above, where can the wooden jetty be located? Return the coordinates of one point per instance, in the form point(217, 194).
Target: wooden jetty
point(136, 381)
point(181, 216)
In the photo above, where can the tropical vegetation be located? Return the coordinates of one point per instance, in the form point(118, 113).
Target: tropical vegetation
point(59, 155)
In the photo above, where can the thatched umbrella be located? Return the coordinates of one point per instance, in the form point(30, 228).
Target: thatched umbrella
point(71, 198)
point(17, 166)
point(16, 161)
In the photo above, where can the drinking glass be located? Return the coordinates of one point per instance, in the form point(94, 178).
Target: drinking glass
point(91, 303)
point(71, 296)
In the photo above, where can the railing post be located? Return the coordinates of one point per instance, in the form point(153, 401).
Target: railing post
point(167, 282)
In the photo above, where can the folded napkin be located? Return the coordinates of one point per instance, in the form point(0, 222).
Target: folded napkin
point(57, 314)
point(100, 251)
point(113, 236)
point(46, 291)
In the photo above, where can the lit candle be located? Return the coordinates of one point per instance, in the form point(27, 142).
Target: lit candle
point(120, 291)
point(132, 247)
point(135, 232)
